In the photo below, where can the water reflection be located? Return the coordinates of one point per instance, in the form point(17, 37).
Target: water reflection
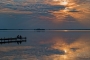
point(18, 42)
point(19, 39)
point(48, 46)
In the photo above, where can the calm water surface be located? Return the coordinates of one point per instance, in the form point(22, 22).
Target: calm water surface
point(45, 14)
point(49, 45)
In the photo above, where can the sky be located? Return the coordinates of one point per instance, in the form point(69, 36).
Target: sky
point(45, 13)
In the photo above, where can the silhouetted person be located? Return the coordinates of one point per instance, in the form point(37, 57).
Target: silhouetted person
point(18, 36)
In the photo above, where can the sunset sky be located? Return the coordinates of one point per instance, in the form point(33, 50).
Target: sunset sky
point(44, 29)
point(45, 14)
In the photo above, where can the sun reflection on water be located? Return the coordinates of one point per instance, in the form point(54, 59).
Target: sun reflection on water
point(53, 47)
point(76, 50)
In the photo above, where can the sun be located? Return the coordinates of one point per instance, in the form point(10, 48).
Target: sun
point(64, 3)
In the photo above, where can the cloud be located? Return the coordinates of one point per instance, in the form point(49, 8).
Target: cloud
point(7, 10)
point(20, 6)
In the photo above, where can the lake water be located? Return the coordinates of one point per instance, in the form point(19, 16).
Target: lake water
point(47, 45)
point(45, 14)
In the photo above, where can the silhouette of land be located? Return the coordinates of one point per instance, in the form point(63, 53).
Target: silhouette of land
point(39, 29)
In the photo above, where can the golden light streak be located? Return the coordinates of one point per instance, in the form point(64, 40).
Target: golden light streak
point(79, 12)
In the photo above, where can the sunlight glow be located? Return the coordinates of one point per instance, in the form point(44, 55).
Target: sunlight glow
point(64, 3)
point(65, 51)
point(65, 30)
point(63, 57)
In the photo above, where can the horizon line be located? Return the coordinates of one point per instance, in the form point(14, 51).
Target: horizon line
point(44, 29)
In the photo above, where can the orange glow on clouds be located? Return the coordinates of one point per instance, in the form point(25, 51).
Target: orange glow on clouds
point(64, 3)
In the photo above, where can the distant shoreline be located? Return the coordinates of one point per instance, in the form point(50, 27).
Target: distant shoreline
point(66, 30)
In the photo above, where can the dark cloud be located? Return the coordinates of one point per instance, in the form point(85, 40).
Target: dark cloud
point(74, 49)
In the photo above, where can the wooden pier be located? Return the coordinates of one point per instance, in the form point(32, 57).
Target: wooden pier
point(19, 39)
